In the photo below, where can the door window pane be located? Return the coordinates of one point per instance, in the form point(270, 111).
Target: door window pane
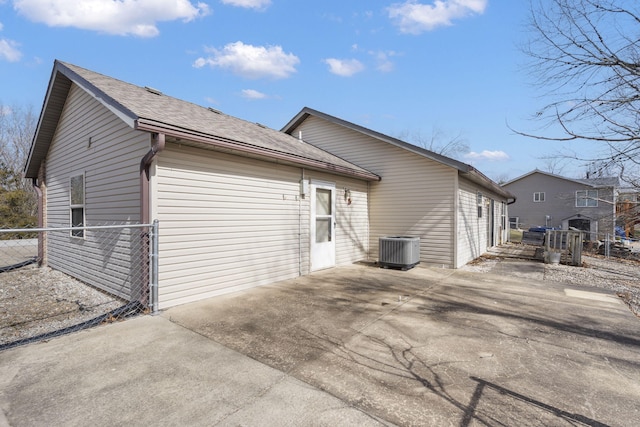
point(323, 202)
point(323, 230)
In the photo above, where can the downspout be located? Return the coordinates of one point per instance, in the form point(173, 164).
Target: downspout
point(368, 221)
point(38, 190)
point(157, 145)
point(300, 195)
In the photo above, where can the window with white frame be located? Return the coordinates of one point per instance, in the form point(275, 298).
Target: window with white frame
point(76, 204)
point(587, 198)
point(538, 197)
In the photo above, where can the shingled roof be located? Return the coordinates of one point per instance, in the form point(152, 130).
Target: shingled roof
point(601, 182)
point(146, 109)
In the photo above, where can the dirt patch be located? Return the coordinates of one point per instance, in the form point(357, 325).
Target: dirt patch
point(35, 301)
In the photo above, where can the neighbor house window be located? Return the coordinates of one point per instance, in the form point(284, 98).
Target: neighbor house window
point(587, 198)
point(76, 204)
point(479, 203)
point(538, 197)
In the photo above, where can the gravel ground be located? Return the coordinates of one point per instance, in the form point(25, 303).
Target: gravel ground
point(618, 275)
point(35, 301)
point(615, 274)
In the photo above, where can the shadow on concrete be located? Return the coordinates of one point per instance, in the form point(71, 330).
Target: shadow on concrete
point(446, 307)
point(470, 412)
point(436, 347)
point(409, 366)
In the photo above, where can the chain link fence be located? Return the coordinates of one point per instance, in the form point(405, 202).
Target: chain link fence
point(58, 280)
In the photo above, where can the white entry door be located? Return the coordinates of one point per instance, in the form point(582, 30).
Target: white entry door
point(323, 224)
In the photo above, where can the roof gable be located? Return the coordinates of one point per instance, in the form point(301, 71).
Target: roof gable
point(149, 110)
point(306, 112)
point(464, 169)
point(592, 182)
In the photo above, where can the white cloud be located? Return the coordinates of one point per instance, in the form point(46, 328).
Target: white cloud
point(249, 4)
point(251, 62)
point(253, 94)
point(122, 17)
point(383, 60)
point(492, 156)
point(9, 50)
point(344, 67)
point(414, 18)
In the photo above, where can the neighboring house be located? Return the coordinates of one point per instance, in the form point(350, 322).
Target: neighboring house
point(239, 205)
point(548, 200)
point(455, 210)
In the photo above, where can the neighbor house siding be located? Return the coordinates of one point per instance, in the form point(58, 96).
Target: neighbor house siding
point(416, 196)
point(110, 164)
point(559, 203)
point(229, 223)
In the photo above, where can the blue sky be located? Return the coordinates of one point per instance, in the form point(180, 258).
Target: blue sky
point(422, 67)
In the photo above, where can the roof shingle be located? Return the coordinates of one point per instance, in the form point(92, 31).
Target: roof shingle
point(135, 104)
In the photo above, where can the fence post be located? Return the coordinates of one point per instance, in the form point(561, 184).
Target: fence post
point(153, 261)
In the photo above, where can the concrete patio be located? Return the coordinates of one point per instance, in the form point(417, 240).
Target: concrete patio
point(355, 345)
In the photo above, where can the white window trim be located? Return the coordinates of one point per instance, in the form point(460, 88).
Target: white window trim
point(80, 233)
point(586, 198)
point(539, 199)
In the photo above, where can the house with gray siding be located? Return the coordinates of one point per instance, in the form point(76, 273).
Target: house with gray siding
point(546, 199)
point(239, 205)
point(456, 211)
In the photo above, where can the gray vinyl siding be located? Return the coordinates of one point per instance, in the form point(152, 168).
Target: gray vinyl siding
point(416, 196)
point(559, 203)
point(229, 223)
point(112, 196)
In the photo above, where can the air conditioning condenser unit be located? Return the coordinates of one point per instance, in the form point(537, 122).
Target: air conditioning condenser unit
point(399, 252)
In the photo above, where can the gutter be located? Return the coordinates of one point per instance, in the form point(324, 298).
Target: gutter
point(252, 150)
point(478, 177)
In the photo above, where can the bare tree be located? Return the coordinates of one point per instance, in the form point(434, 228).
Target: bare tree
point(439, 142)
point(17, 126)
point(586, 56)
point(502, 178)
point(17, 198)
point(554, 165)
